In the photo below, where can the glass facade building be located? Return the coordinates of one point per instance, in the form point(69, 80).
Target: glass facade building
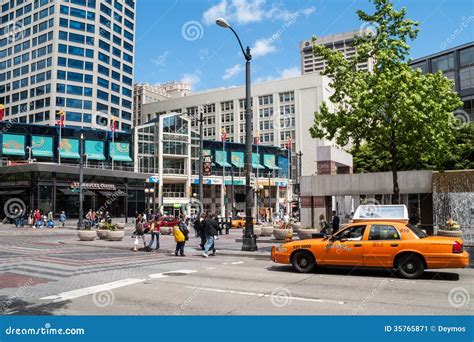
point(76, 55)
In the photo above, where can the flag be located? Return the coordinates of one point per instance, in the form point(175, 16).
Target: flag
point(113, 124)
point(257, 139)
point(223, 134)
point(60, 121)
point(2, 112)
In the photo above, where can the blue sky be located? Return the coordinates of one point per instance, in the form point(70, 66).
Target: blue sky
point(178, 39)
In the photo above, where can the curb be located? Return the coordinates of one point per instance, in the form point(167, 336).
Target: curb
point(220, 251)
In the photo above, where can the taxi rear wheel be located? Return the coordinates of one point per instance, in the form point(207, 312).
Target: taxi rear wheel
point(303, 261)
point(410, 266)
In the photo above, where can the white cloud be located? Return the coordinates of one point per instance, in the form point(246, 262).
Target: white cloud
point(284, 74)
point(231, 72)
point(192, 79)
point(262, 47)
point(215, 12)
point(251, 11)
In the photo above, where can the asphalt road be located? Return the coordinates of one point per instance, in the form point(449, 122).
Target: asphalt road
point(40, 276)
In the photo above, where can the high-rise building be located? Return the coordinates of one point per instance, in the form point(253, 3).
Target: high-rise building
point(148, 93)
point(456, 64)
point(342, 42)
point(76, 55)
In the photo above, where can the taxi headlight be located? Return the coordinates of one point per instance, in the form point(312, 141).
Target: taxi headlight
point(282, 249)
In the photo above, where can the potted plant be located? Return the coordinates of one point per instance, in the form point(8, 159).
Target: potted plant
point(87, 234)
point(102, 231)
point(296, 226)
point(266, 230)
point(452, 229)
point(113, 233)
point(282, 233)
point(307, 233)
point(257, 231)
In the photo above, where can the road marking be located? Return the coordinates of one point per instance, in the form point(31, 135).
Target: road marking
point(265, 295)
point(61, 297)
point(237, 263)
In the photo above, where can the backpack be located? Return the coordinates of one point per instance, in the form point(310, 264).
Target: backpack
point(184, 229)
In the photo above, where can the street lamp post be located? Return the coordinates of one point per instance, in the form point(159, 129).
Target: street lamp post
point(270, 195)
point(298, 164)
point(249, 241)
point(81, 181)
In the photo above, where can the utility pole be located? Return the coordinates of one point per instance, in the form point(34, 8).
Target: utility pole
point(81, 181)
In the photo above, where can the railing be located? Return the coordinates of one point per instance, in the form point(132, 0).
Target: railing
point(174, 194)
point(174, 171)
point(88, 165)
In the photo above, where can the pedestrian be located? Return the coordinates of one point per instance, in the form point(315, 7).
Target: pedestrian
point(62, 218)
point(155, 232)
point(16, 215)
point(139, 233)
point(286, 221)
point(414, 218)
point(22, 218)
point(181, 234)
point(210, 228)
point(335, 222)
point(201, 229)
point(37, 218)
point(323, 225)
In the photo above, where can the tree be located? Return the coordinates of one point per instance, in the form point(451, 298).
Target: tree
point(399, 111)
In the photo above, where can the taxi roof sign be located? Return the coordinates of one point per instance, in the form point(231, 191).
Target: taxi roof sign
point(396, 212)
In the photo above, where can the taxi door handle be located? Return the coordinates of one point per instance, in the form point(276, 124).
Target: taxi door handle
point(358, 245)
point(394, 245)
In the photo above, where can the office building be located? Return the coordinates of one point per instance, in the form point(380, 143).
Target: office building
point(456, 64)
point(342, 42)
point(76, 55)
point(148, 93)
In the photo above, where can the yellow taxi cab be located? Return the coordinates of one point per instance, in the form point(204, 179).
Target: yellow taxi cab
point(379, 237)
point(239, 222)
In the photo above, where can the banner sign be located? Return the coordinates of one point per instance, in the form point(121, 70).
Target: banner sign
point(93, 186)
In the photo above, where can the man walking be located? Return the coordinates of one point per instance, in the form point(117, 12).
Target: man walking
point(210, 229)
point(335, 222)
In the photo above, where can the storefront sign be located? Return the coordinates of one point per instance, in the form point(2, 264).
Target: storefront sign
point(305, 202)
point(18, 183)
point(93, 186)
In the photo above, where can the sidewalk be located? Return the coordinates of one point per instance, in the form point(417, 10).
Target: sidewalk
point(228, 245)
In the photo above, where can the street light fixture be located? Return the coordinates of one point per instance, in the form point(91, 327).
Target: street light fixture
point(249, 241)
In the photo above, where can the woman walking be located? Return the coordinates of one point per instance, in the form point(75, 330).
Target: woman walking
point(139, 233)
point(181, 234)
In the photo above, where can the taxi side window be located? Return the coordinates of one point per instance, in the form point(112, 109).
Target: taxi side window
point(383, 232)
point(354, 233)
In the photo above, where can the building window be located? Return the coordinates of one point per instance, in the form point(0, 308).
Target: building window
point(265, 100)
point(443, 63)
point(287, 97)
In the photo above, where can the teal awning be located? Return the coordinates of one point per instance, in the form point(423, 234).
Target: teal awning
point(94, 150)
point(256, 161)
point(69, 148)
point(13, 144)
point(237, 158)
point(221, 159)
point(42, 146)
point(269, 162)
point(120, 151)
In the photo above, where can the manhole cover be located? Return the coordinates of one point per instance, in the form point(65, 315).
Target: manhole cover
point(176, 274)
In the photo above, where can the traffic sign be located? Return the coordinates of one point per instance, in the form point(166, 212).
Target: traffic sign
point(153, 179)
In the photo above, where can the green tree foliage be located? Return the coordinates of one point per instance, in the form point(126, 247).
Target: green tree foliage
point(401, 113)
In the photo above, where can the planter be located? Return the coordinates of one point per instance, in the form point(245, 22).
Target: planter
point(166, 230)
point(87, 235)
point(257, 231)
point(102, 234)
point(121, 225)
point(115, 235)
point(267, 230)
point(450, 233)
point(305, 234)
point(296, 227)
point(101, 225)
point(281, 234)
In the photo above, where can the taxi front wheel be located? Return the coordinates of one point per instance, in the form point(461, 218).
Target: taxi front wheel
point(410, 267)
point(303, 261)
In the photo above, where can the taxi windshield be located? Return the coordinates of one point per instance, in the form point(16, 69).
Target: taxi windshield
point(418, 232)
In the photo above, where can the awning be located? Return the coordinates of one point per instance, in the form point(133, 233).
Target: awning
point(42, 146)
point(221, 159)
point(10, 192)
point(269, 162)
point(13, 144)
point(256, 161)
point(69, 148)
point(113, 194)
point(120, 151)
point(94, 150)
point(237, 158)
point(69, 191)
